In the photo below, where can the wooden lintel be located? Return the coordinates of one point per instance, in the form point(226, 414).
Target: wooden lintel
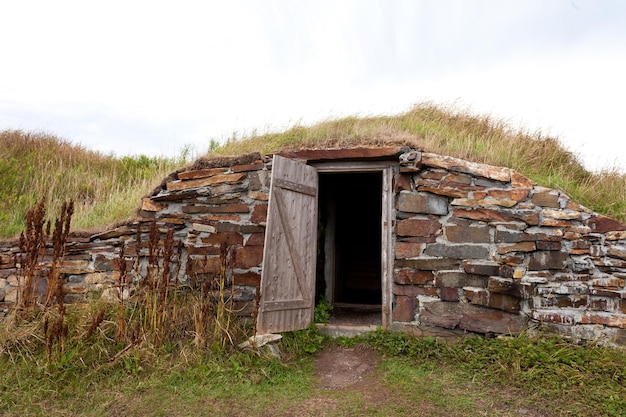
point(344, 154)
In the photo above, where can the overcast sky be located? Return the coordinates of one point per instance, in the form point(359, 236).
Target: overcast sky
point(148, 77)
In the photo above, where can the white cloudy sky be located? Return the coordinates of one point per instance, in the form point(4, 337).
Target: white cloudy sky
point(149, 77)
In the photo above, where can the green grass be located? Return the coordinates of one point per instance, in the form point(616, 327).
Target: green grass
point(424, 377)
point(106, 189)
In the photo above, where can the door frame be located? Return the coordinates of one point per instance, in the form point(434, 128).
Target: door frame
point(389, 171)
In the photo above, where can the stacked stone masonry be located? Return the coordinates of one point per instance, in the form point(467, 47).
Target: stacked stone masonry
point(484, 249)
point(477, 248)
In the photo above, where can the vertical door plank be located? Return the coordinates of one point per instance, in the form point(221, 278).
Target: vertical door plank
point(289, 257)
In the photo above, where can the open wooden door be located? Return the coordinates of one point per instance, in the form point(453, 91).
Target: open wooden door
point(289, 257)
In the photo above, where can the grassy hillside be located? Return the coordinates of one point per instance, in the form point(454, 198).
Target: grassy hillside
point(105, 189)
point(108, 189)
point(454, 132)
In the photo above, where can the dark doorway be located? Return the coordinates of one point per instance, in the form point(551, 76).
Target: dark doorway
point(349, 241)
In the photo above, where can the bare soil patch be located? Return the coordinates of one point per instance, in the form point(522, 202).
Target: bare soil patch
point(338, 367)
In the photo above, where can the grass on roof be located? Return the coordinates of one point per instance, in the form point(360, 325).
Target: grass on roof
point(108, 189)
point(458, 133)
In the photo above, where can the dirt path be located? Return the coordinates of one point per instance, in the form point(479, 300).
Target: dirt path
point(350, 385)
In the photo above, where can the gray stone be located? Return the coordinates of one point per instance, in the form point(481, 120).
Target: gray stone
point(423, 203)
point(481, 267)
point(467, 232)
point(483, 182)
point(547, 260)
point(440, 314)
point(510, 286)
point(456, 279)
point(429, 264)
point(489, 320)
point(457, 251)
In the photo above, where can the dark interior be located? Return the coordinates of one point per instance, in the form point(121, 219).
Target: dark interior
point(355, 201)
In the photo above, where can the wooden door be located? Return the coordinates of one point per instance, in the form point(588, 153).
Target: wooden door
point(289, 257)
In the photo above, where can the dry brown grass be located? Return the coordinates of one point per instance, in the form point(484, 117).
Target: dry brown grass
point(456, 132)
point(106, 189)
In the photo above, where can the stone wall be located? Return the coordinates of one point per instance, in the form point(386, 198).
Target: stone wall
point(209, 209)
point(484, 249)
point(478, 248)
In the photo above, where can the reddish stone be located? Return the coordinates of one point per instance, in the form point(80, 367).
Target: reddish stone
point(258, 195)
point(222, 217)
point(488, 320)
point(516, 194)
point(441, 314)
point(460, 165)
point(203, 182)
point(148, 205)
point(256, 239)
point(403, 183)
point(350, 153)
point(506, 271)
point(477, 296)
point(546, 199)
point(433, 174)
point(222, 208)
point(512, 260)
point(481, 267)
point(405, 250)
point(555, 223)
point(449, 294)
point(248, 256)
point(602, 224)
point(404, 309)
point(429, 264)
point(607, 319)
point(251, 279)
point(504, 302)
point(529, 217)
point(259, 213)
point(609, 282)
point(407, 290)
point(418, 227)
point(547, 260)
point(200, 173)
point(543, 245)
point(517, 247)
point(509, 286)
point(454, 279)
point(458, 179)
point(570, 301)
point(520, 181)
point(465, 232)
point(233, 227)
point(419, 239)
point(256, 166)
point(603, 292)
point(558, 317)
point(229, 239)
point(444, 191)
point(412, 276)
point(423, 203)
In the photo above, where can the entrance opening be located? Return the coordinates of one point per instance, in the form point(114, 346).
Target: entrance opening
point(349, 246)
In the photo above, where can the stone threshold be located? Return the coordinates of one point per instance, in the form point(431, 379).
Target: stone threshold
point(337, 330)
